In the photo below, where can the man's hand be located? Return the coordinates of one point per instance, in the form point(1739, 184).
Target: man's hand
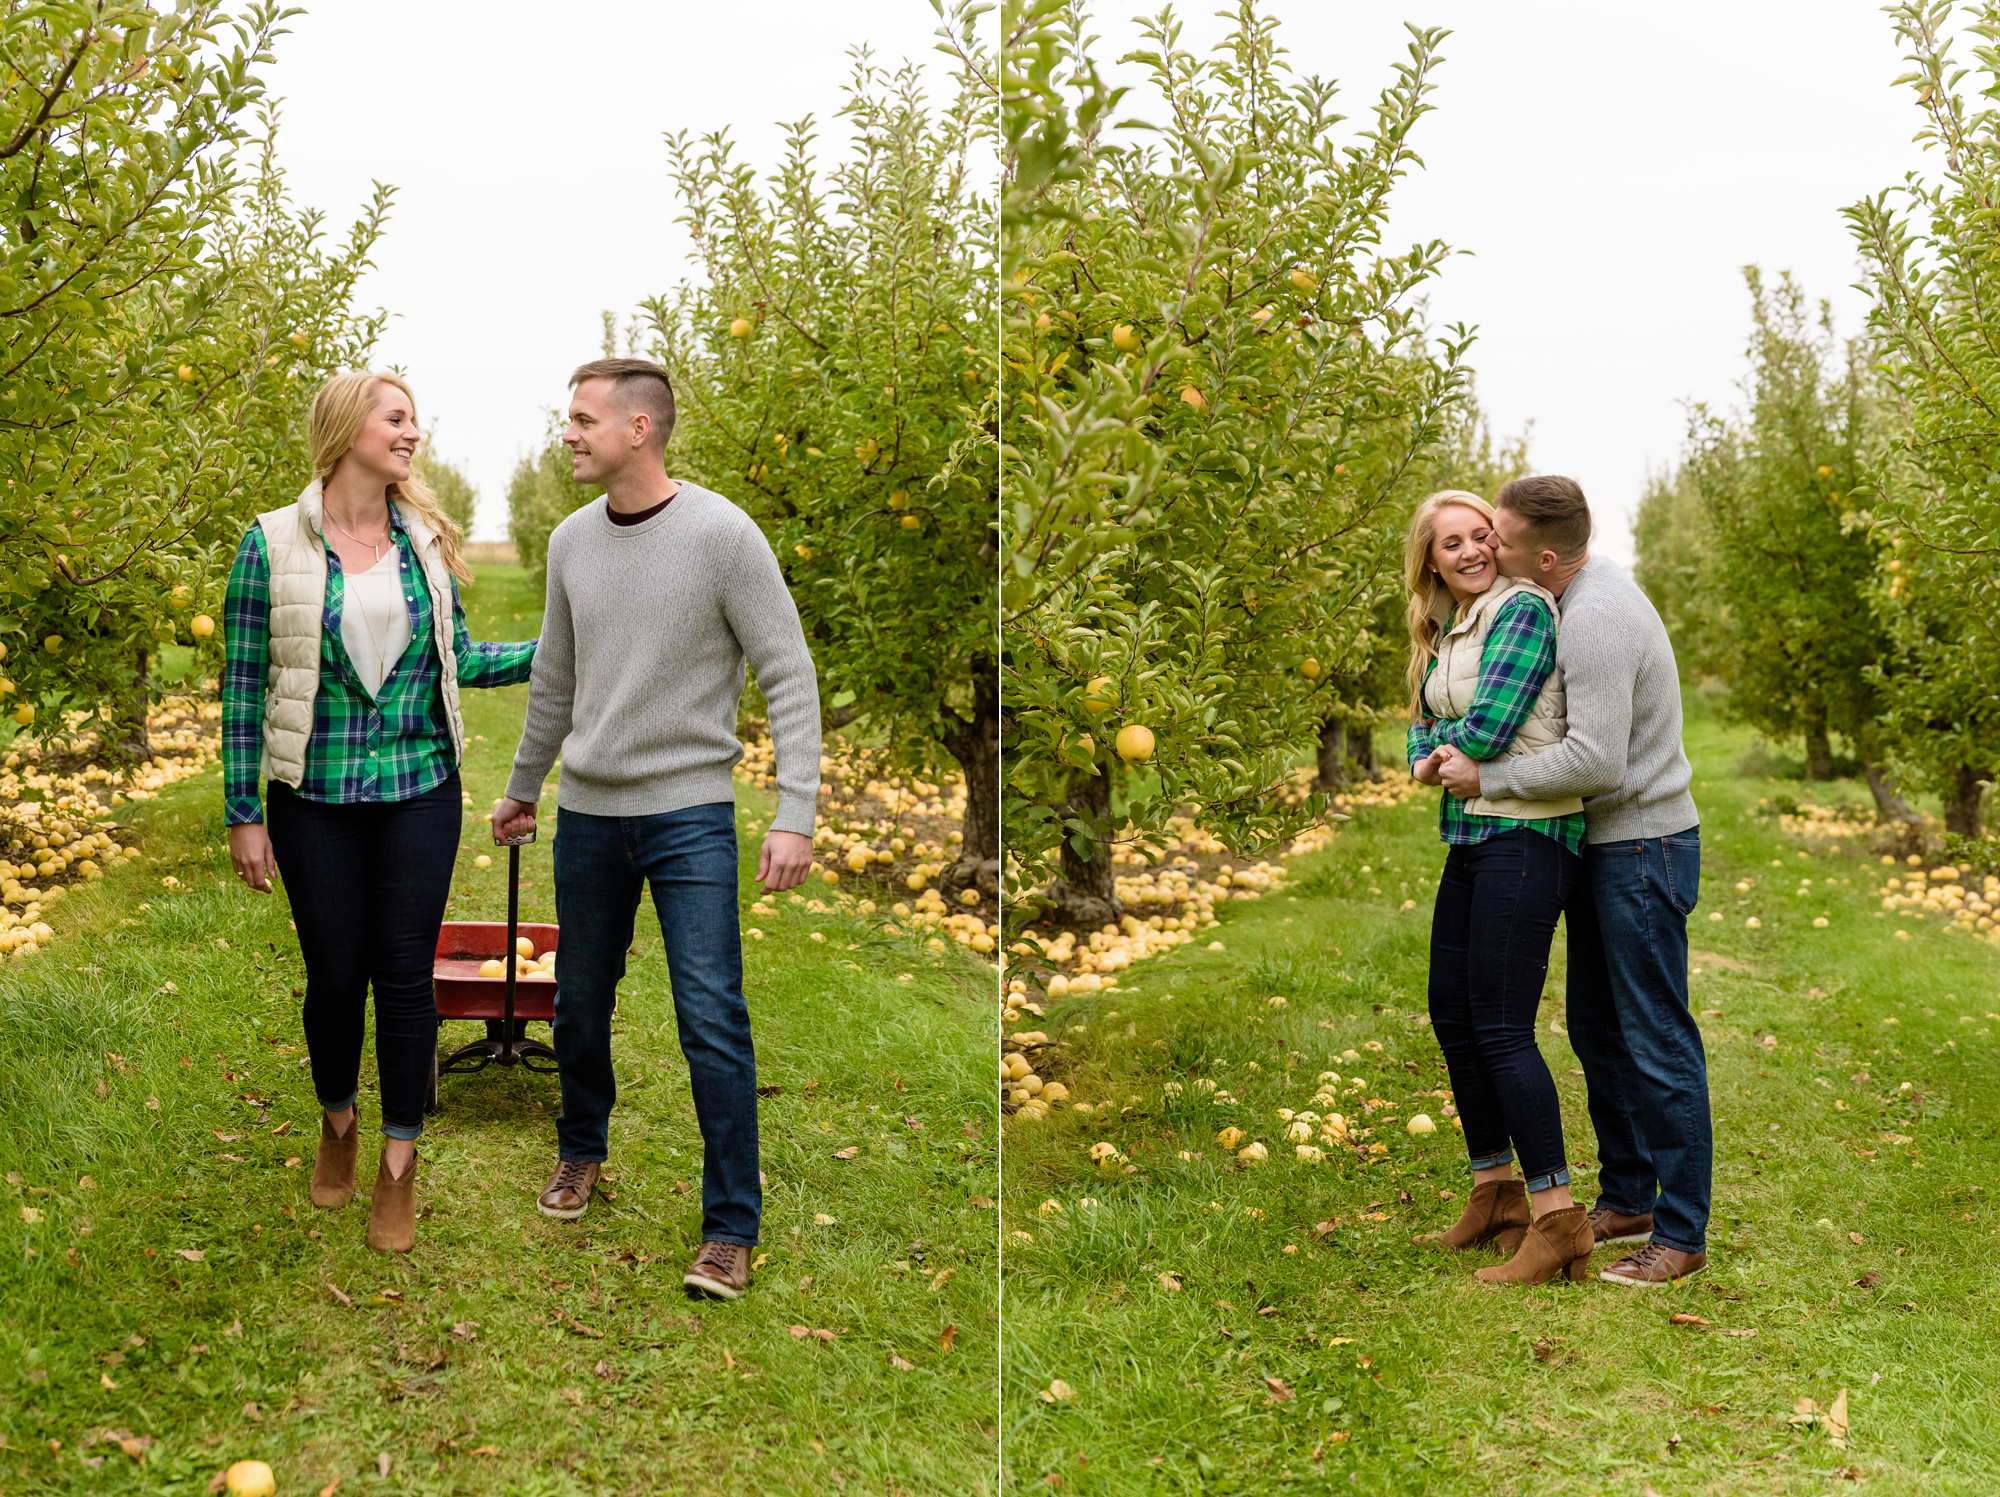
point(1425, 770)
point(512, 819)
point(250, 852)
point(783, 863)
point(1458, 773)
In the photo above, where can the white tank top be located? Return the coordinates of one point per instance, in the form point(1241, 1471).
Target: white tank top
point(375, 619)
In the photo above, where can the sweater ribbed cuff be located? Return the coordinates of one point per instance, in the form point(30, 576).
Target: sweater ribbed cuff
point(795, 814)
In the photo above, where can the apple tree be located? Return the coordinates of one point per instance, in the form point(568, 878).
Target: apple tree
point(834, 367)
point(165, 316)
point(1219, 393)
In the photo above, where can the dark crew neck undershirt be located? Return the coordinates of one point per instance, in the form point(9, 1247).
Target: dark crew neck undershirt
point(643, 516)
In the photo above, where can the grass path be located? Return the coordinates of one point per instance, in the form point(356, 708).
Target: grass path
point(1311, 1345)
point(164, 1276)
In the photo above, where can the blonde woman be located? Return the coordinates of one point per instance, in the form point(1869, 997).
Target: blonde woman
point(1483, 684)
point(346, 651)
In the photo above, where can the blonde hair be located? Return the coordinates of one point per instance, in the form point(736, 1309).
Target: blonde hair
point(1425, 617)
point(338, 413)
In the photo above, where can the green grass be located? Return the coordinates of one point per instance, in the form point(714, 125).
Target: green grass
point(137, 1038)
point(1442, 1385)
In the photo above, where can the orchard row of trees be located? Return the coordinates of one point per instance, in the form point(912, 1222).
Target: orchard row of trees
point(1828, 550)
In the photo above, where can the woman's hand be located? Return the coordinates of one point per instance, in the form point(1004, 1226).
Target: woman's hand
point(250, 852)
point(1426, 769)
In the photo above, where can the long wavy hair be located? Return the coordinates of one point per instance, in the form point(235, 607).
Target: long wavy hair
point(338, 413)
point(1425, 615)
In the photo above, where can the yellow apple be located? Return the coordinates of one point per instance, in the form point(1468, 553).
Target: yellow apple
point(1134, 743)
point(300, 339)
point(740, 328)
point(201, 626)
point(1126, 340)
point(1098, 695)
point(1309, 668)
point(24, 714)
point(913, 522)
point(187, 374)
point(249, 1479)
point(1191, 396)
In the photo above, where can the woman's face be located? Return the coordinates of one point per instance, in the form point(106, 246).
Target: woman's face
point(1462, 551)
point(388, 438)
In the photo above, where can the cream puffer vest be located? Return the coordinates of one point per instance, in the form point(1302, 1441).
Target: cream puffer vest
point(295, 547)
point(1452, 685)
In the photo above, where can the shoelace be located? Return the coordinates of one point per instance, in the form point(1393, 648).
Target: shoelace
point(1648, 1255)
point(570, 1175)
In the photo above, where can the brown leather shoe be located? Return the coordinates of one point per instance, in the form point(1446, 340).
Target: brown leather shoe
point(392, 1216)
point(1497, 1209)
point(569, 1190)
point(1654, 1266)
point(720, 1270)
point(1614, 1226)
point(333, 1166)
point(1558, 1242)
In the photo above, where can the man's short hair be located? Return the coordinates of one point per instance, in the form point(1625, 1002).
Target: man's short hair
point(637, 385)
point(1558, 515)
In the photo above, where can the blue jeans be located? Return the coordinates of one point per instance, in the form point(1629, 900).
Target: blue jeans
point(689, 859)
point(1495, 916)
point(1630, 1025)
point(367, 882)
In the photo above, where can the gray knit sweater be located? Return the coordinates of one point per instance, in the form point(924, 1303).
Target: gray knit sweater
point(1623, 751)
point(640, 668)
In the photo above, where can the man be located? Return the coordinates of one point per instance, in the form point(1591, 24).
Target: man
point(1629, 1021)
point(657, 595)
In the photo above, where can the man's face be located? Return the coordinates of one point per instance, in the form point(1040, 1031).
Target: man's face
point(600, 436)
point(1512, 552)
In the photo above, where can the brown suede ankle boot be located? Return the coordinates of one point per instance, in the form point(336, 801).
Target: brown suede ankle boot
point(392, 1219)
point(1558, 1242)
point(1497, 1209)
point(333, 1166)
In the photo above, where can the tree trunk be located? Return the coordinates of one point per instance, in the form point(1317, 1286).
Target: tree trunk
point(975, 743)
point(1889, 802)
point(1819, 747)
point(1332, 756)
point(1961, 808)
point(129, 736)
point(1361, 749)
point(1085, 895)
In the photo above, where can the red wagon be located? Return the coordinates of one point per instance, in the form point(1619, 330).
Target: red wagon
point(508, 1004)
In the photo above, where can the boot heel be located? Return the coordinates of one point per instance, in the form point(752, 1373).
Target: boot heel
point(1578, 1271)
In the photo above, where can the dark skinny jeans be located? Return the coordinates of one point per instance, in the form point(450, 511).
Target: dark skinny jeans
point(368, 884)
point(1495, 917)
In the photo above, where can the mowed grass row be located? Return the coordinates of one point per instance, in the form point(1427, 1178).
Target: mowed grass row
point(1310, 1344)
point(163, 1274)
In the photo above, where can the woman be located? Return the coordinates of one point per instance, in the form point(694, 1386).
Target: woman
point(346, 650)
point(1483, 683)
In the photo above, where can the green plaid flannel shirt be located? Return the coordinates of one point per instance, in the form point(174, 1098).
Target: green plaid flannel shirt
point(1520, 652)
point(384, 748)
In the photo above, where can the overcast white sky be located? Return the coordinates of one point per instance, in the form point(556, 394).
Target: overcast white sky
point(525, 143)
point(1611, 168)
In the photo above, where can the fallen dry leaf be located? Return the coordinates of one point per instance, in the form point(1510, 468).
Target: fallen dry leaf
point(902, 1366)
point(1058, 1391)
point(485, 1450)
point(465, 1330)
point(942, 1277)
point(799, 1332)
point(284, 1127)
point(228, 1138)
point(1867, 1281)
point(330, 1488)
point(1170, 1282)
point(1855, 1238)
point(293, 1162)
point(948, 1335)
point(382, 1465)
point(1836, 1418)
point(253, 1413)
point(1681, 1317)
point(847, 1153)
point(824, 1335)
point(1279, 1390)
point(336, 1293)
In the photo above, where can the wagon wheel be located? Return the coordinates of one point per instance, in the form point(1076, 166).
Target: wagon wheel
point(431, 1091)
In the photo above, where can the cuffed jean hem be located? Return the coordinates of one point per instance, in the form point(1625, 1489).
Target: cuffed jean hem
point(1490, 1161)
point(1553, 1178)
point(353, 1098)
point(568, 1158)
point(732, 1241)
point(1679, 1247)
point(403, 1131)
